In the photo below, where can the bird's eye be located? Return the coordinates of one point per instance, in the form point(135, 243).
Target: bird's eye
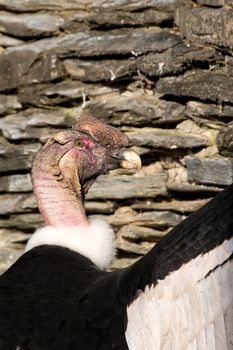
point(79, 144)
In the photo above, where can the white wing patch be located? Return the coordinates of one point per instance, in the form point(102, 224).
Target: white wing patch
point(191, 309)
point(96, 242)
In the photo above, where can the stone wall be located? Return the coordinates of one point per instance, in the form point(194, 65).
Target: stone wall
point(162, 71)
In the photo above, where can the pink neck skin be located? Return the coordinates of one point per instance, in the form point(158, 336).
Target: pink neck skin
point(58, 204)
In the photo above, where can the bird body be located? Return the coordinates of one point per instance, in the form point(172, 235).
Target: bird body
point(56, 297)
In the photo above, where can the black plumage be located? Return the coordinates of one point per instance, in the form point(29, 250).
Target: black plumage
point(55, 299)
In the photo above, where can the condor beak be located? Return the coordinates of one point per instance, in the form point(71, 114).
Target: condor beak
point(130, 160)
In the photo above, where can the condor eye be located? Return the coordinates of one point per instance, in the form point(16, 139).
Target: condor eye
point(79, 144)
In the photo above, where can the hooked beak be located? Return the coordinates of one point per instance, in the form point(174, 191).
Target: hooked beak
point(130, 160)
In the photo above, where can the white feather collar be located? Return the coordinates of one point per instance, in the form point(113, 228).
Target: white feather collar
point(96, 242)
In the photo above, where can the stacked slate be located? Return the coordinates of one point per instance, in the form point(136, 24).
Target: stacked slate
point(162, 71)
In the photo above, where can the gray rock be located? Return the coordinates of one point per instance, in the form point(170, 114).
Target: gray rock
point(30, 68)
point(201, 85)
point(17, 203)
point(192, 188)
point(179, 206)
point(229, 64)
point(135, 109)
point(175, 60)
point(41, 134)
point(134, 233)
point(16, 183)
point(228, 2)
point(40, 5)
point(135, 248)
point(36, 123)
point(97, 5)
point(40, 60)
point(32, 25)
point(11, 247)
point(210, 171)
point(124, 186)
point(17, 158)
point(12, 238)
point(104, 70)
point(22, 221)
point(116, 19)
point(5, 146)
point(99, 207)
point(153, 219)
point(211, 3)
point(207, 110)
point(225, 140)
point(8, 104)
point(7, 41)
point(133, 5)
point(72, 92)
point(165, 139)
point(206, 25)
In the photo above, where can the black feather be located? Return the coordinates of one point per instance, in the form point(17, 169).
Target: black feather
point(55, 299)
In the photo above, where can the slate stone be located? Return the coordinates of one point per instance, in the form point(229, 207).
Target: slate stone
point(134, 233)
point(228, 2)
point(201, 85)
point(225, 140)
point(192, 189)
point(30, 68)
point(206, 25)
point(99, 207)
point(134, 5)
point(135, 109)
point(97, 5)
point(229, 64)
point(125, 187)
point(166, 139)
point(116, 19)
point(16, 183)
point(27, 222)
point(5, 146)
point(176, 60)
point(65, 92)
point(32, 25)
point(40, 61)
point(104, 70)
point(12, 238)
point(154, 219)
point(179, 206)
point(9, 103)
point(217, 172)
point(11, 247)
point(209, 110)
point(211, 3)
point(135, 248)
point(36, 123)
point(40, 5)
point(7, 41)
point(18, 158)
point(17, 203)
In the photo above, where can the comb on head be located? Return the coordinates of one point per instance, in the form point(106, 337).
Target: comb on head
point(104, 134)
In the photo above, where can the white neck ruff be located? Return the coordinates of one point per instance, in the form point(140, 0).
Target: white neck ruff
point(96, 242)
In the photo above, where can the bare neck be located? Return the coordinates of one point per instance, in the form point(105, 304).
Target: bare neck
point(57, 202)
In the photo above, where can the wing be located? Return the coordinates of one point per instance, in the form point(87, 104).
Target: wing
point(180, 295)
